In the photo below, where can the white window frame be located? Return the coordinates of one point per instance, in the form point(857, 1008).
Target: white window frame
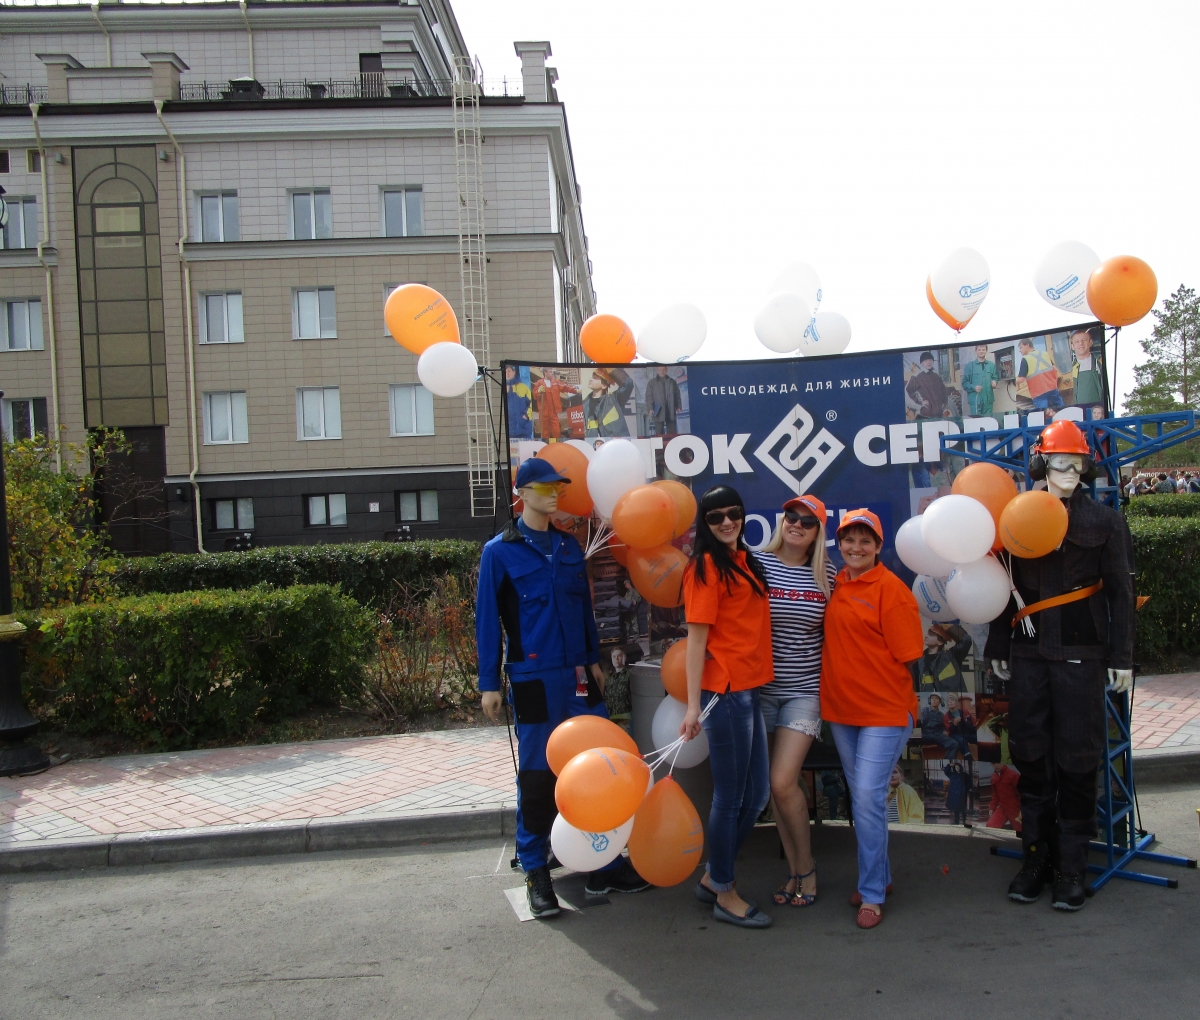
point(18, 227)
point(419, 403)
point(232, 326)
point(312, 194)
point(242, 510)
point(405, 226)
point(326, 311)
point(29, 312)
point(228, 407)
point(222, 220)
point(6, 411)
point(330, 413)
point(331, 501)
point(427, 506)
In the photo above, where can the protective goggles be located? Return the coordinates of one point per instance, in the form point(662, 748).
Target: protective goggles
point(804, 520)
point(1065, 462)
point(716, 517)
point(547, 488)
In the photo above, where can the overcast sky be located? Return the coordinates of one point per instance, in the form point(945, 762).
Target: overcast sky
point(716, 142)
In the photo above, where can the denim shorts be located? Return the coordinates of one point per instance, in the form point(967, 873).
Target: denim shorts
point(801, 713)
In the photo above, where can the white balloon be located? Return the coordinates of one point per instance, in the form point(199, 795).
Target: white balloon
point(979, 591)
point(958, 528)
point(585, 448)
point(447, 370)
point(781, 323)
point(616, 467)
point(932, 600)
point(799, 278)
point(673, 334)
point(915, 554)
point(664, 730)
point(961, 283)
point(1061, 278)
point(587, 851)
point(828, 333)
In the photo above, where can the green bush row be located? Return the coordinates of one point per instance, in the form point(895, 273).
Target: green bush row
point(1167, 554)
point(369, 572)
point(181, 670)
point(1164, 505)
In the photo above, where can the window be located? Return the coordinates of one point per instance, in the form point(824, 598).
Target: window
point(318, 413)
point(221, 318)
point(21, 230)
point(219, 217)
point(3, 161)
point(24, 418)
point(314, 314)
point(421, 505)
point(412, 411)
point(33, 161)
point(233, 514)
point(403, 212)
point(312, 216)
point(21, 326)
point(327, 511)
point(225, 418)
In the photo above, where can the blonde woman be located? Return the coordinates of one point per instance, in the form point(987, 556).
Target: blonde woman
point(799, 581)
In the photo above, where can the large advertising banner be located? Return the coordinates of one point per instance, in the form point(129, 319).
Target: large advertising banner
point(856, 430)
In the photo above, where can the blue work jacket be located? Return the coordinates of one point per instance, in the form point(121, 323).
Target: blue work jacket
point(543, 606)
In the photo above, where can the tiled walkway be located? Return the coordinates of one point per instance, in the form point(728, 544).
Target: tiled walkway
point(409, 774)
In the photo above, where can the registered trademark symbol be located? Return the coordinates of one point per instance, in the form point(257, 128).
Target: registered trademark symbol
point(831, 415)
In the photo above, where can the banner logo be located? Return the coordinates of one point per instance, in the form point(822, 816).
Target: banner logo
point(798, 454)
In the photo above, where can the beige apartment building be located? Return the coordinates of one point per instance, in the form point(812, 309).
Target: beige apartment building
point(208, 205)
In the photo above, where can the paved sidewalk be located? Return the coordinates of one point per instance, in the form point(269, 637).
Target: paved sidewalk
point(1166, 712)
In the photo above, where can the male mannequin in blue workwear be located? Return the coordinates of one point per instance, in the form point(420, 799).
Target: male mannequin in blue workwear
point(533, 586)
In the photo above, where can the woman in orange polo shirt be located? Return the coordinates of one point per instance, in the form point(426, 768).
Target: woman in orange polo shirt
point(872, 631)
point(728, 659)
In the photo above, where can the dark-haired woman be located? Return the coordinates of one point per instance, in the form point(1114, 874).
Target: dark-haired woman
point(728, 659)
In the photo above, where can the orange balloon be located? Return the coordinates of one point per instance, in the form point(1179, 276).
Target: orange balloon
point(987, 483)
point(418, 317)
point(1033, 524)
point(600, 788)
point(567, 460)
point(674, 671)
point(606, 339)
point(644, 517)
point(667, 838)
point(685, 505)
point(942, 314)
point(582, 733)
point(619, 550)
point(657, 574)
point(1121, 290)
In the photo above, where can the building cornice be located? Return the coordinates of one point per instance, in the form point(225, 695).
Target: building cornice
point(358, 247)
point(272, 476)
point(20, 258)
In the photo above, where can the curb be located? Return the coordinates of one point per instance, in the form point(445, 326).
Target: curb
point(1166, 765)
point(258, 839)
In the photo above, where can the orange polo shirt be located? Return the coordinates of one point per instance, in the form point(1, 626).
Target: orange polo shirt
point(872, 628)
point(738, 653)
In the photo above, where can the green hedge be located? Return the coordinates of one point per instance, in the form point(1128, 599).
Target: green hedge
point(1167, 554)
point(368, 572)
point(1164, 505)
point(174, 671)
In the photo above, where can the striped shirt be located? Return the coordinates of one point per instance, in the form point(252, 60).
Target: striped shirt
point(797, 626)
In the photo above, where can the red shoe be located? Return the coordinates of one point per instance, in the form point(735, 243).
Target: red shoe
point(856, 898)
point(868, 918)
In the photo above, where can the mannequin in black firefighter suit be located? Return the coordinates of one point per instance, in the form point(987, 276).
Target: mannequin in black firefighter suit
point(1057, 722)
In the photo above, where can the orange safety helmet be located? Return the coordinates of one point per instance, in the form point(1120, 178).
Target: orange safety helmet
point(1061, 437)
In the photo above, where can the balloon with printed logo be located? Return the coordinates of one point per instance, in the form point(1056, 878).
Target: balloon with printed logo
point(781, 323)
point(828, 333)
point(419, 317)
point(569, 462)
point(667, 838)
point(674, 671)
point(1034, 524)
point(939, 311)
point(979, 591)
point(915, 554)
point(800, 279)
point(958, 528)
point(447, 369)
point(961, 283)
point(644, 517)
point(601, 788)
point(657, 574)
point(664, 730)
point(685, 505)
point(1061, 278)
point(582, 733)
point(930, 593)
point(673, 334)
point(991, 485)
point(587, 851)
point(617, 467)
point(607, 339)
point(1121, 290)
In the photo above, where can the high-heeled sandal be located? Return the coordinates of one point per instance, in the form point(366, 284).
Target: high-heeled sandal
point(781, 896)
point(803, 899)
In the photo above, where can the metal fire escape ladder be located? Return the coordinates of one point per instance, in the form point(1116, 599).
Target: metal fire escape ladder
point(472, 258)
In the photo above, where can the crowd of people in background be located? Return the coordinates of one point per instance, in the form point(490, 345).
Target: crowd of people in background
point(1173, 481)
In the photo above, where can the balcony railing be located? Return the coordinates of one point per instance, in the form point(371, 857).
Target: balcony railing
point(367, 86)
point(22, 95)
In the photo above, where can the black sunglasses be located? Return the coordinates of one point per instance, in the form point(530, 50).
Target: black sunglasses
point(715, 517)
point(794, 517)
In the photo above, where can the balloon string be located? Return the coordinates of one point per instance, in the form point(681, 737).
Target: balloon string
point(1026, 622)
point(675, 748)
point(598, 540)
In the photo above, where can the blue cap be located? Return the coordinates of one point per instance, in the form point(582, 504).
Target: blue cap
point(537, 470)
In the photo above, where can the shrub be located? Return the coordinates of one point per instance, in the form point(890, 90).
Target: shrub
point(369, 572)
point(1167, 554)
point(179, 670)
point(1164, 505)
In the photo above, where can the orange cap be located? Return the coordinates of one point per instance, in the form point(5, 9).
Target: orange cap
point(809, 502)
point(1062, 437)
point(864, 517)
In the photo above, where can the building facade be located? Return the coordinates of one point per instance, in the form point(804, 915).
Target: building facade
point(209, 204)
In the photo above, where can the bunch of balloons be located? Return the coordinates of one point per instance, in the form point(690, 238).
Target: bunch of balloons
point(421, 320)
point(607, 799)
point(1118, 291)
point(791, 319)
point(951, 546)
point(957, 288)
point(669, 715)
point(674, 334)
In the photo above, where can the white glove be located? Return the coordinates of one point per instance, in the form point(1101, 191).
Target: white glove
point(1120, 680)
point(1000, 668)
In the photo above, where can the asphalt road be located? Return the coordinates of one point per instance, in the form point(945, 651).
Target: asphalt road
point(428, 933)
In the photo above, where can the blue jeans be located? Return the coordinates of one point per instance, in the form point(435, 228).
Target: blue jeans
point(737, 755)
point(1051, 400)
point(869, 753)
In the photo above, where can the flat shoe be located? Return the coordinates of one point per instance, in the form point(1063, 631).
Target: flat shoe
point(754, 918)
point(705, 895)
point(867, 918)
point(856, 896)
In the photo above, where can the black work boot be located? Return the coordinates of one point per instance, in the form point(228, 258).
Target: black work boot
point(620, 879)
point(1034, 874)
point(1070, 870)
point(1070, 890)
point(540, 890)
